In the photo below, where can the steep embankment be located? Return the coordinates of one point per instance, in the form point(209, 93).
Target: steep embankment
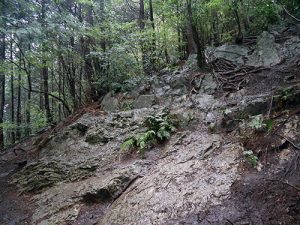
point(200, 176)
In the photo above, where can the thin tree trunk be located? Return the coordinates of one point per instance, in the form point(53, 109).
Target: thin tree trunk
point(153, 44)
point(12, 95)
point(28, 105)
point(167, 57)
point(179, 34)
point(2, 82)
point(72, 76)
point(19, 95)
point(59, 90)
point(142, 28)
point(45, 69)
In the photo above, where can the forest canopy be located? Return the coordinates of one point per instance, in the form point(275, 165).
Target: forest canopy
point(57, 55)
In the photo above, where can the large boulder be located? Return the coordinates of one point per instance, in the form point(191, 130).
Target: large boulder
point(234, 53)
point(109, 103)
point(144, 101)
point(266, 52)
point(208, 84)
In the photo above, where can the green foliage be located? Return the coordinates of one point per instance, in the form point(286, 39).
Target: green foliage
point(129, 144)
point(256, 122)
point(259, 123)
point(97, 46)
point(269, 123)
point(158, 129)
point(162, 124)
point(253, 159)
point(286, 95)
point(263, 13)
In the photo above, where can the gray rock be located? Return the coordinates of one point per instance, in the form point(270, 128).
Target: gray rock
point(208, 84)
point(44, 174)
point(266, 52)
point(192, 63)
point(64, 201)
point(235, 53)
point(82, 128)
point(205, 102)
point(109, 103)
point(178, 81)
point(96, 139)
point(291, 47)
point(144, 101)
point(186, 182)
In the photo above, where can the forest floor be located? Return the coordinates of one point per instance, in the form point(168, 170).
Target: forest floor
point(200, 176)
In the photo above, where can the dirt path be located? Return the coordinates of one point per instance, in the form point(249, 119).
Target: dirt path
point(15, 209)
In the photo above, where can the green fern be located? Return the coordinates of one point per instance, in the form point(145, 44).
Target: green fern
point(253, 159)
point(159, 129)
point(128, 144)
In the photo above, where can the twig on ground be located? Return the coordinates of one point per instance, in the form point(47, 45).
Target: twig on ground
point(285, 182)
point(289, 141)
point(270, 107)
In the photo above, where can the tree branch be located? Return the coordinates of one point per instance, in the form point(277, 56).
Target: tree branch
point(53, 96)
point(287, 12)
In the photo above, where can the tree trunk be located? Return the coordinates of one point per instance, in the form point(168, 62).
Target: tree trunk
point(195, 36)
point(12, 95)
point(142, 28)
point(2, 81)
point(60, 75)
point(19, 95)
point(153, 41)
point(180, 47)
point(86, 43)
point(239, 37)
point(28, 105)
point(45, 69)
point(167, 57)
point(72, 76)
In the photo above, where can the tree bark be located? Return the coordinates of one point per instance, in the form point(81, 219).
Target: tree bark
point(19, 105)
point(2, 80)
point(86, 43)
point(12, 95)
point(28, 105)
point(45, 68)
point(198, 45)
point(142, 43)
point(153, 28)
point(239, 37)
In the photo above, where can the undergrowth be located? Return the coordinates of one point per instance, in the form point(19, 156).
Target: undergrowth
point(159, 128)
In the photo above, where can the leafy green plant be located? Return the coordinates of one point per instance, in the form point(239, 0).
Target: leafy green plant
point(269, 123)
point(256, 122)
point(129, 144)
point(259, 123)
point(253, 159)
point(159, 129)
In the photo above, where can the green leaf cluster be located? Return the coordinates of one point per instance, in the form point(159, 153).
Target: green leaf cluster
point(253, 159)
point(258, 122)
point(159, 128)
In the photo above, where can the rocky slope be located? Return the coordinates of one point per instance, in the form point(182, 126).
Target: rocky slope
point(199, 176)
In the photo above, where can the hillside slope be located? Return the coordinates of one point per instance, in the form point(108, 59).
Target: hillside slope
point(233, 159)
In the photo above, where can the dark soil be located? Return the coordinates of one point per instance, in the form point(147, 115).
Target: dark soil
point(15, 209)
